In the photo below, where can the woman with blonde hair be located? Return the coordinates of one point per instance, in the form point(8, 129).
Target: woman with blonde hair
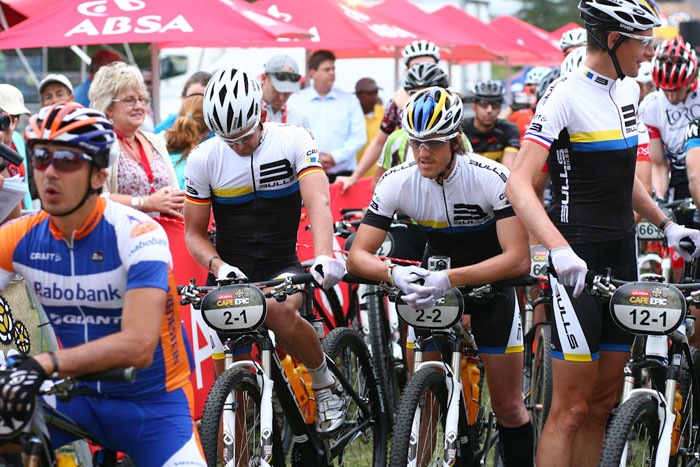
point(143, 176)
point(187, 132)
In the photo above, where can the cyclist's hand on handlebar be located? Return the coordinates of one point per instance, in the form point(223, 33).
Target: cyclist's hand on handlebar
point(226, 272)
point(327, 271)
point(571, 270)
point(675, 233)
point(436, 280)
point(19, 389)
point(410, 279)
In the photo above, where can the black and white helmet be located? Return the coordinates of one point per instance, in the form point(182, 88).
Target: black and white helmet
point(490, 90)
point(573, 60)
point(420, 49)
point(620, 15)
point(573, 38)
point(425, 75)
point(549, 78)
point(232, 102)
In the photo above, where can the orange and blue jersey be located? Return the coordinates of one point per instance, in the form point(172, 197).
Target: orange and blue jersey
point(81, 283)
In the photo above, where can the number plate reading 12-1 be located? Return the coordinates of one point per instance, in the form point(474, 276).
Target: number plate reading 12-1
point(234, 308)
point(443, 315)
point(648, 308)
point(649, 232)
point(538, 259)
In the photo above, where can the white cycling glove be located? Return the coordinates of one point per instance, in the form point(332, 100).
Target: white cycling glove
point(438, 281)
point(409, 279)
point(227, 272)
point(675, 233)
point(327, 271)
point(571, 270)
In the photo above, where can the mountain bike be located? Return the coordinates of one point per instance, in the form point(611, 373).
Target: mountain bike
point(239, 425)
point(33, 434)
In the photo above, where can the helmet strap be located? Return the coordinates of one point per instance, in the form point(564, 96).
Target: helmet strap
point(441, 176)
point(611, 52)
point(90, 191)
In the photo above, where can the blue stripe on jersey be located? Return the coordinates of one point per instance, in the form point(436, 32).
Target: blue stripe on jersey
point(148, 274)
point(286, 191)
point(457, 229)
point(692, 143)
point(248, 197)
point(267, 194)
point(616, 347)
point(610, 145)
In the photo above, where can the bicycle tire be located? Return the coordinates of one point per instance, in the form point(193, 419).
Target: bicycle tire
point(381, 351)
point(635, 425)
point(244, 384)
point(689, 414)
point(339, 317)
point(349, 352)
point(542, 383)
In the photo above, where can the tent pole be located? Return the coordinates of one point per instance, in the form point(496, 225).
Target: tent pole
point(155, 72)
point(397, 56)
point(449, 70)
point(83, 62)
point(307, 77)
point(20, 54)
point(129, 55)
point(509, 98)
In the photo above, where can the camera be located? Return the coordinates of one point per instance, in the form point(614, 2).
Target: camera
point(5, 121)
point(438, 263)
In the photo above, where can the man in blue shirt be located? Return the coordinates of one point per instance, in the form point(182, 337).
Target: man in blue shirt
point(336, 117)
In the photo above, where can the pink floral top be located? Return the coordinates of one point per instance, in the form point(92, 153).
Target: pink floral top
point(132, 178)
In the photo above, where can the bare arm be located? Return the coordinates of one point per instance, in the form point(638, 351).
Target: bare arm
point(134, 345)
point(513, 262)
point(692, 162)
point(521, 194)
point(378, 172)
point(314, 192)
point(508, 157)
point(643, 204)
point(197, 236)
point(659, 167)
point(369, 158)
point(361, 260)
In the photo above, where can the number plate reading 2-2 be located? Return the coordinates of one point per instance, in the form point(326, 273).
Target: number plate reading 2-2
point(648, 308)
point(444, 314)
point(649, 232)
point(234, 308)
point(538, 259)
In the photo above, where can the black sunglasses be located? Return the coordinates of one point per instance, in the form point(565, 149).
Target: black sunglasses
point(286, 76)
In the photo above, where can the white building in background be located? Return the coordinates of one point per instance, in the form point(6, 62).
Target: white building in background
point(183, 62)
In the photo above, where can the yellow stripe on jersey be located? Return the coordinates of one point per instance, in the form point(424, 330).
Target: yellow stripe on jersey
point(433, 224)
point(310, 171)
point(232, 192)
point(493, 155)
point(594, 136)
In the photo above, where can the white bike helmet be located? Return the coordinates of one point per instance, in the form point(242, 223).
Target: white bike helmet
point(620, 15)
point(535, 75)
point(573, 60)
point(232, 102)
point(420, 49)
point(644, 75)
point(573, 38)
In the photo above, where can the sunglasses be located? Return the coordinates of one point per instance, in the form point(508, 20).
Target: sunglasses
point(244, 138)
point(486, 104)
point(131, 101)
point(63, 160)
point(286, 76)
point(645, 40)
point(431, 145)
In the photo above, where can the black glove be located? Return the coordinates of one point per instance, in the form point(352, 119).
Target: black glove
point(19, 386)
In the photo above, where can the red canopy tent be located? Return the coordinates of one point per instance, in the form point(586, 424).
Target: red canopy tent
point(529, 36)
point(23, 8)
point(462, 45)
point(497, 43)
point(557, 33)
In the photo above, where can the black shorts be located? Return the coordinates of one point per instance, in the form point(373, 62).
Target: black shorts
point(583, 326)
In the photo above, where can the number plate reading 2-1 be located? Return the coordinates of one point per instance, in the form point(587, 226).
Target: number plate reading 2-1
point(538, 259)
point(444, 314)
point(648, 308)
point(649, 232)
point(234, 308)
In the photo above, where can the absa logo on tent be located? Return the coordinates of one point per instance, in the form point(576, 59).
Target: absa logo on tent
point(101, 21)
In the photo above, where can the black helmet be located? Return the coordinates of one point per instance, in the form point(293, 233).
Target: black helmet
point(425, 75)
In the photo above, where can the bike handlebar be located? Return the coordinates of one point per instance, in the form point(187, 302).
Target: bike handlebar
point(114, 374)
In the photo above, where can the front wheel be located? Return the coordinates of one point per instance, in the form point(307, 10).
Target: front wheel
point(633, 434)
point(541, 397)
point(230, 426)
point(363, 438)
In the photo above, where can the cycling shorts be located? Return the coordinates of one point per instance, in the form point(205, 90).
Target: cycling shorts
point(583, 325)
point(159, 431)
point(255, 275)
point(495, 324)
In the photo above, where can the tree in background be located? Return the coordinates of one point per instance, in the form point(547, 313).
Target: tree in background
point(549, 14)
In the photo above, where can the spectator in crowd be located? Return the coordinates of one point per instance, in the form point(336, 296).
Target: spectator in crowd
point(55, 88)
point(367, 92)
point(11, 109)
point(280, 80)
point(99, 59)
point(143, 176)
point(149, 121)
point(336, 117)
point(188, 131)
point(195, 85)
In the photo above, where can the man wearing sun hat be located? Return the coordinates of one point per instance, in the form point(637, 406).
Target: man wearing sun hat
point(55, 88)
point(11, 109)
point(280, 80)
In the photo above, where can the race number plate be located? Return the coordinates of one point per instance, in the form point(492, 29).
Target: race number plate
point(649, 232)
point(443, 315)
point(234, 308)
point(648, 308)
point(538, 259)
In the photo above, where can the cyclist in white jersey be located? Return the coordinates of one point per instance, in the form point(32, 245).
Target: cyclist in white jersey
point(585, 127)
point(254, 176)
point(667, 111)
point(458, 200)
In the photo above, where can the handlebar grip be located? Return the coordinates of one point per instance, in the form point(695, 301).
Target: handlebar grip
point(114, 374)
point(353, 279)
point(304, 278)
point(688, 245)
point(590, 275)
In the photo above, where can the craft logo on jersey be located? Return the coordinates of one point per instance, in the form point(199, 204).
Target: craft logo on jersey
point(312, 156)
point(38, 256)
point(101, 21)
